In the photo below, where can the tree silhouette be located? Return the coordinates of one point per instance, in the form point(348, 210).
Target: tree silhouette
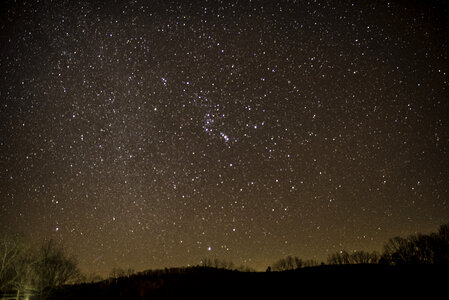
point(217, 263)
point(418, 249)
point(288, 263)
point(10, 255)
point(117, 273)
point(357, 257)
point(53, 267)
point(441, 245)
point(16, 269)
point(26, 270)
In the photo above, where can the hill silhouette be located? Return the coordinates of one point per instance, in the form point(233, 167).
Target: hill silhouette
point(408, 267)
point(213, 283)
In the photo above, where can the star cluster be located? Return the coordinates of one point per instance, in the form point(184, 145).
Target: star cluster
point(148, 134)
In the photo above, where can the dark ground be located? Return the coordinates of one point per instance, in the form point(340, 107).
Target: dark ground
point(353, 281)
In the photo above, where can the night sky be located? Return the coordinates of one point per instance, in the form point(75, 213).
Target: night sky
point(151, 134)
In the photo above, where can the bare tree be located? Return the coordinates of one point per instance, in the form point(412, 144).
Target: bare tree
point(53, 267)
point(298, 263)
point(217, 263)
point(280, 265)
point(206, 262)
point(229, 265)
point(26, 270)
point(11, 251)
point(357, 257)
point(288, 263)
point(91, 278)
point(363, 257)
point(130, 272)
point(117, 273)
point(16, 265)
point(430, 248)
point(442, 245)
point(339, 258)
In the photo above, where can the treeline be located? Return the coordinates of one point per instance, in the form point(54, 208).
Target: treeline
point(223, 264)
point(34, 271)
point(292, 263)
point(419, 248)
point(415, 249)
point(39, 271)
